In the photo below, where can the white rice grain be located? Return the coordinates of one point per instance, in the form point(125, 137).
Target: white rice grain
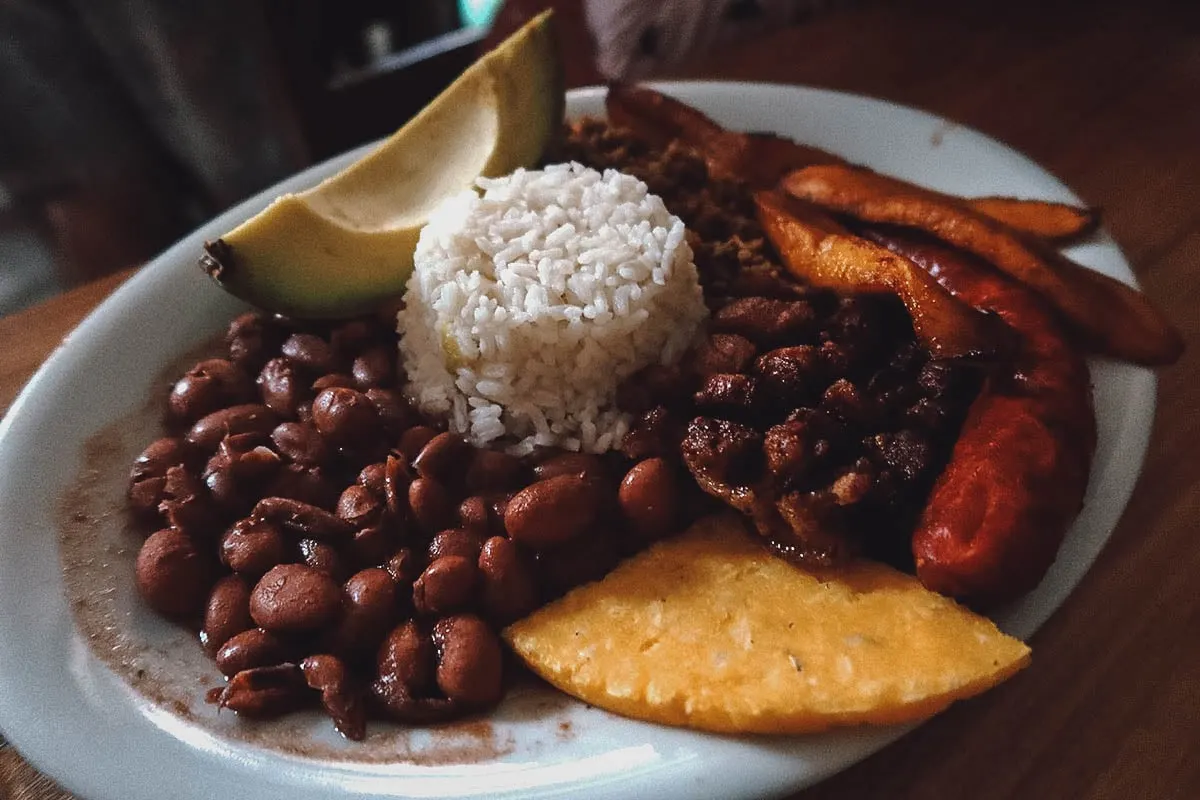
point(528, 305)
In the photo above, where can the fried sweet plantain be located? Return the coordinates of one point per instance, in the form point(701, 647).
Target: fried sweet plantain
point(762, 159)
point(759, 159)
point(1105, 315)
point(818, 250)
point(1059, 223)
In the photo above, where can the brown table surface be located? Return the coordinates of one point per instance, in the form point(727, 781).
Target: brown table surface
point(1109, 100)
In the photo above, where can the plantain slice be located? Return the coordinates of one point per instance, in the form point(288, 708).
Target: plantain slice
point(818, 250)
point(762, 159)
point(1058, 223)
point(1105, 315)
point(759, 159)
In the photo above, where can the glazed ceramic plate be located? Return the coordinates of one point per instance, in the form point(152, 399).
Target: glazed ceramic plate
point(84, 723)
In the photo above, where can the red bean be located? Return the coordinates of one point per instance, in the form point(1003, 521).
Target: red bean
point(187, 504)
point(407, 656)
point(294, 597)
point(333, 380)
point(240, 465)
point(159, 456)
point(148, 478)
point(322, 557)
point(509, 591)
point(373, 545)
point(494, 471)
point(327, 674)
point(310, 352)
point(371, 477)
point(251, 547)
point(552, 511)
point(432, 505)
point(474, 514)
point(301, 443)
point(206, 387)
point(585, 464)
point(375, 368)
point(455, 542)
point(403, 566)
point(345, 416)
point(309, 485)
point(447, 585)
point(248, 649)
point(397, 481)
point(145, 496)
point(264, 692)
point(251, 338)
point(649, 498)
point(360, 507)
point(394, 411)
point(172, 576)
point(281, 388)
point(302, 519)
point(443, 458)
point(209, 430)
point(227, 613)
point(414, 440)
point(369, 602)
point(498, 506)
point(470, 670)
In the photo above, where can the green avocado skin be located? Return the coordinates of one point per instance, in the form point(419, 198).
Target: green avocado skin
point(303, 257)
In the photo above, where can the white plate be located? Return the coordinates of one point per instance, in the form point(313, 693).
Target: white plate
point(80, 723)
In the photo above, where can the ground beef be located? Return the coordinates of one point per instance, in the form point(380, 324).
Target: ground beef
point(819, 416)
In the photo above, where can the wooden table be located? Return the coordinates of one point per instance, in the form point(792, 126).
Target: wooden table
point(1109, 100)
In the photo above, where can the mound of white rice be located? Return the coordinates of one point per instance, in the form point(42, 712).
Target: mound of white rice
point(529, 305)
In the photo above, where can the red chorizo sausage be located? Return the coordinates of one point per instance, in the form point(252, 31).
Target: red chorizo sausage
point(1016, 478)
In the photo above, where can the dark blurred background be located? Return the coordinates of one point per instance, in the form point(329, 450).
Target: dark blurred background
point(125, 123)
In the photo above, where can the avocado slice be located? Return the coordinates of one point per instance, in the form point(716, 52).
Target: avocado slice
point(346, 245)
